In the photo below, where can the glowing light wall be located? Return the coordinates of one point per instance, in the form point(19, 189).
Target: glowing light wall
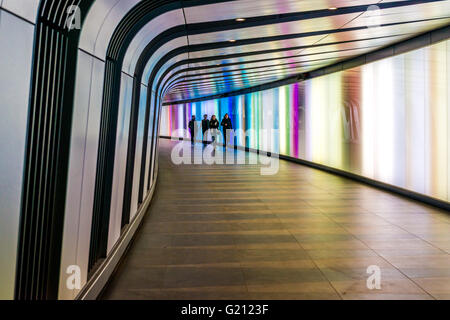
point(387, 120)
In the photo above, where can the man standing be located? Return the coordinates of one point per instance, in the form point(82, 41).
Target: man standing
point(192, 129)
point(205, 127)
point(227, 127)
point(214, 125)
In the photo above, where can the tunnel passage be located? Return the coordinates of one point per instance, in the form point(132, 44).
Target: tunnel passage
point(88, 86)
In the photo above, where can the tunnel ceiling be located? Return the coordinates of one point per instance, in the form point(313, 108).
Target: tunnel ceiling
point(254, 42)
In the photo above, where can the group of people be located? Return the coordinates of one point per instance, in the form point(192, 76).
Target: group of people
point(213, 126)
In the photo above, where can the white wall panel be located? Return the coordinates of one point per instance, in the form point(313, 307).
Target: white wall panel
point(94, 21)
point(82, 169)
point(16, 42)
point(415, 125)
point(138, 156)
point(155, 132)
point(149, 143)
point(120, 160)
point(103, 18)
point(448, 119)
point(90, 166)
point(26, 9)
point(75, 174)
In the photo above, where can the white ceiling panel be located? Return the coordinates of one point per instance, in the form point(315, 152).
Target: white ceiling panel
point(255, 8)
point(282, 44)
point(293, 27)
point(253, 65)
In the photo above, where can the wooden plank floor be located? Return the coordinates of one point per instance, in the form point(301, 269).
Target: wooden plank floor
point(226, 232)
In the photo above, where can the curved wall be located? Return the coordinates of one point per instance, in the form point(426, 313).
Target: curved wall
point(100, 22)
point(148, 65)
point(387, 120)
point(16, 43)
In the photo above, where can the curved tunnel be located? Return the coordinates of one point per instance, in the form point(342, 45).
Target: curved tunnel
point(88, 88)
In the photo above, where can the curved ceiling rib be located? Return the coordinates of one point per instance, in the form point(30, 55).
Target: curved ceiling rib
point(260, 63)
point(399, 24)
point(396, 17)
point(214, 27)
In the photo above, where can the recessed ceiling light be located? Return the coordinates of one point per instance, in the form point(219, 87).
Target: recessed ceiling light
point(332, 8)
point(240, 19)
point(232, 40)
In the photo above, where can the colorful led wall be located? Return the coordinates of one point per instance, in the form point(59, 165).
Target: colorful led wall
point(387, 120)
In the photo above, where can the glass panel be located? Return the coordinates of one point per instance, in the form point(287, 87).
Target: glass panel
point(387, 120)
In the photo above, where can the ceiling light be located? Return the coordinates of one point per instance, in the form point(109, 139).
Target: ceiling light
point(232, 40)
point(332, 8)
point(240, 19)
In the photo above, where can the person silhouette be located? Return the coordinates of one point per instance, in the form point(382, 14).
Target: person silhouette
point(192, 129)
point(214, 126)
point(227, 127)
point(205, 127)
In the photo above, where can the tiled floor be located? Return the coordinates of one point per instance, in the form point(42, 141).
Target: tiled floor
point(226, 232)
